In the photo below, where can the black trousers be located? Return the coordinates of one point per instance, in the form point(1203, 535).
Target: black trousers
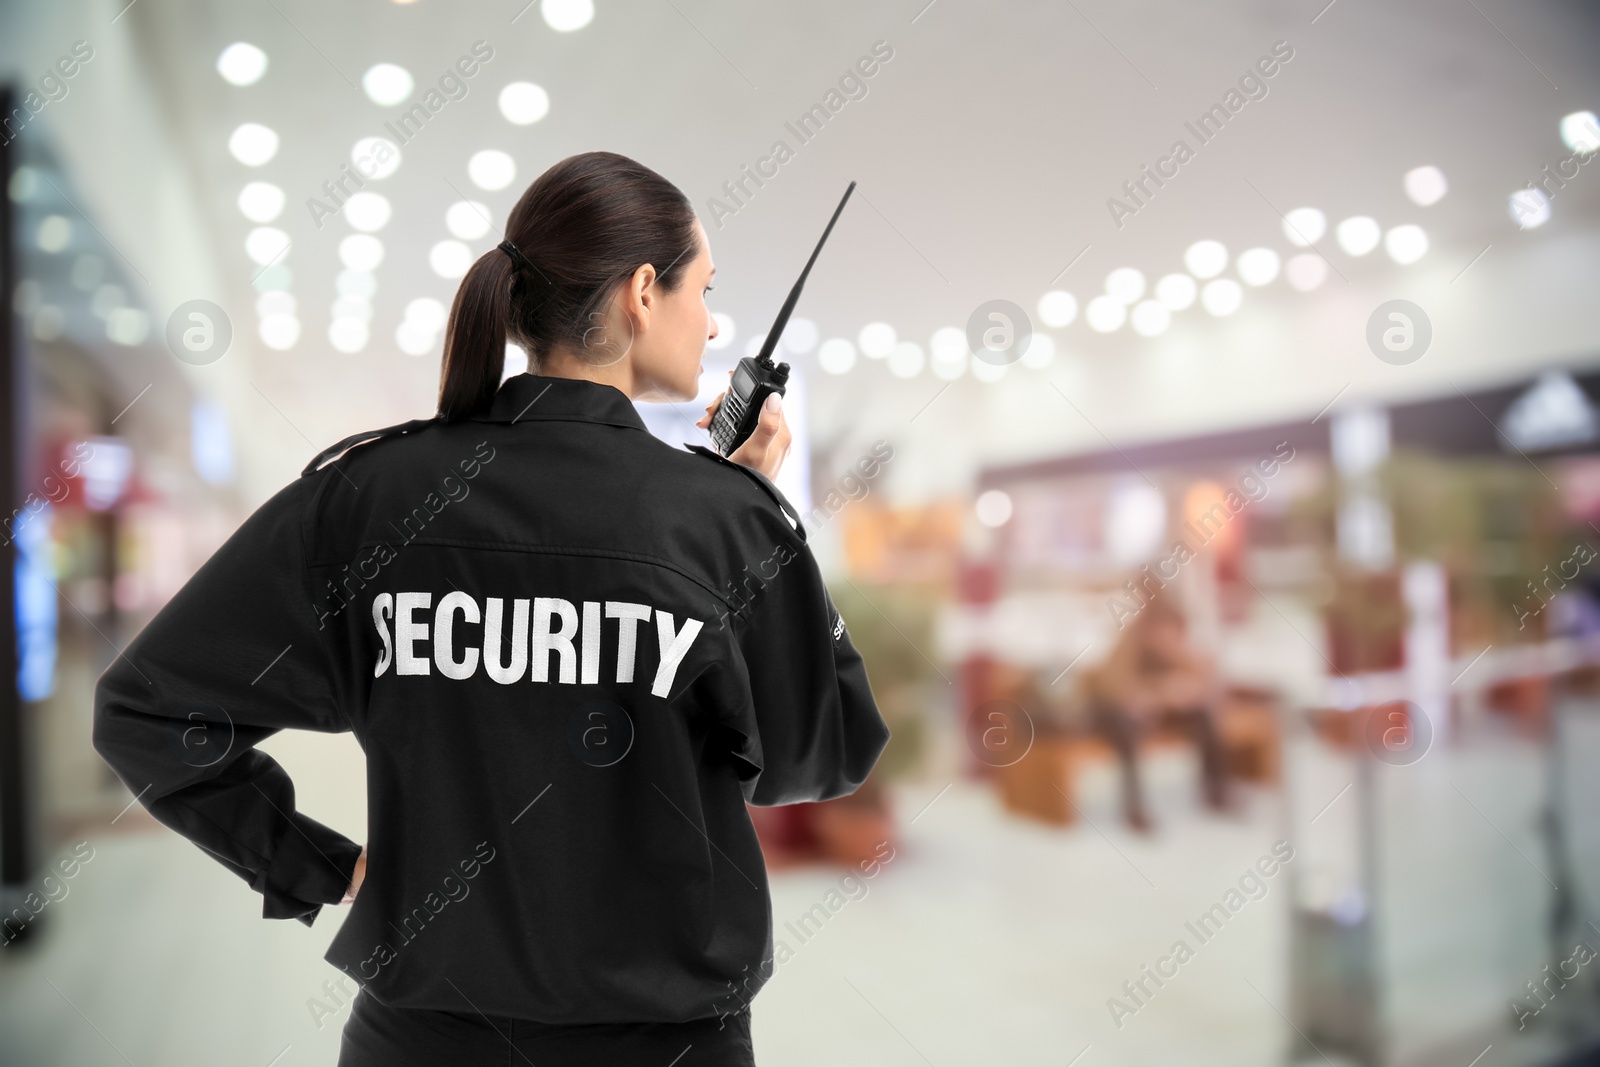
point(377, 1035)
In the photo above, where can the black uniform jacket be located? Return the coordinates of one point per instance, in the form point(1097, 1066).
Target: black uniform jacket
point(571, 653)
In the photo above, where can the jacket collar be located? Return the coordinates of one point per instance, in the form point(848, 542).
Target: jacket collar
point(527, 397)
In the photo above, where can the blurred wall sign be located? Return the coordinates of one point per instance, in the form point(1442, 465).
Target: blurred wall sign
point(1554, 413)
point(105, 473)
point(1359, 439)
point(36, 608)
point(211, 442)
point(1136, 522)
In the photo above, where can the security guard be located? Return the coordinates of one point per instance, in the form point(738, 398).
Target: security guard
point(571, 653)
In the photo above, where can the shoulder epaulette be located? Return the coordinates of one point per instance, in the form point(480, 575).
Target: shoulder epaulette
point(362, 438)
point(760, 479)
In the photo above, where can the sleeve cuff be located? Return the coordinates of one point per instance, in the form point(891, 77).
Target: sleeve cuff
point(311, 866)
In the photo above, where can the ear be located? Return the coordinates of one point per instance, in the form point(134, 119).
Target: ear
point(643, 283)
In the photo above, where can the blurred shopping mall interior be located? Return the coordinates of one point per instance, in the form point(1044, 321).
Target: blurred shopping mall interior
point(1255, 339)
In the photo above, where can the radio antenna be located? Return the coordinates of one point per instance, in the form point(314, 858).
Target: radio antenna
point(776, 332)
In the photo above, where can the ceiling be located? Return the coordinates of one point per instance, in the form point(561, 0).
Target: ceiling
point(986, 150)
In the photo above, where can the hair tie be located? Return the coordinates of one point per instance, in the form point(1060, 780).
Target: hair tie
point(518, 260)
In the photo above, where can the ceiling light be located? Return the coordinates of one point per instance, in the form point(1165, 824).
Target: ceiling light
point(1530, 208)
point(800, 336)
point(387, 84)
point(127, 326)
point(1041, 351)
point(273, 279)
point(348, 335)
point(1125, 285)
point(261, 201)
point(837, 355)
point(1151, 318)
point(106, 299)
point(266, 244)
point(876, 339)
point(367, 211)
point(524, 103)
point(725, 331)
point(564, 16)
point(1359, 235)
point(361, 251)
point(1258, 266)
point(24, 183)
point(375, 157)
point(356, 283)
point(1056, 309)
point(1426, 185)
point(1304, 226)
point(985, 371)
point(242, 64)
point(1176, 291)
point(87, 272)
point(1105, 314)
point(1206, 259)
point(450, 259)
point(1406, 244)
point(468, 220)
point(491, 169)
point(352, 307)
point(948, 345)
point(906, 360)
point(1222, 297)
point(279, 332)
point(1306, 271)
point(993, 508)
point(276, 302)
point(413, 340)
point(947, 353)
point(1580, 131)
point(253, 144)
point(55, 233)
point(427, 313)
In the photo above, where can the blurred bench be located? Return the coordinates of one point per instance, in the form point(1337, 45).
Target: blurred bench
point(1040, 785)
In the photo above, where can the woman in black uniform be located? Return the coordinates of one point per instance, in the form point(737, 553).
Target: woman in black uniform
point(571, 653)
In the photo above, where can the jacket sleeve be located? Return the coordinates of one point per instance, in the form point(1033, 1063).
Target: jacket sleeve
point(234, 657)
point(811, 726)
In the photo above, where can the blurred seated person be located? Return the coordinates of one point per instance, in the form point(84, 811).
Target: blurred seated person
point(1155, 678)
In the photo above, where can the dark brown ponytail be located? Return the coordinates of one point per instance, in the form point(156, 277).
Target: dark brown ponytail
point(583, 227)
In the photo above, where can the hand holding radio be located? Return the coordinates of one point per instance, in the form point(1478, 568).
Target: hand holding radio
point(768, 444)
point(733, 418)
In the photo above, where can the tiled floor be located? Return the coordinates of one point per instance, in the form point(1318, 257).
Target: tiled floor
point(986, 940)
